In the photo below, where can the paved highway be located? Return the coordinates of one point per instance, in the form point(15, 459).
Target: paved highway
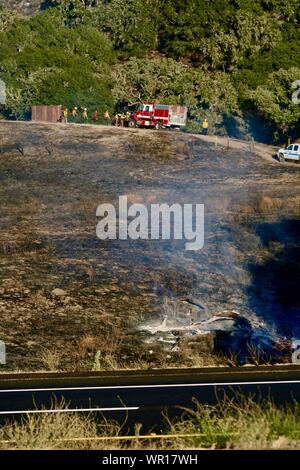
point(141, 396)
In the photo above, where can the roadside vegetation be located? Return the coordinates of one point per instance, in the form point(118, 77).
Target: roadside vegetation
point(98, 353)
point(239, 423)
point(232, 62)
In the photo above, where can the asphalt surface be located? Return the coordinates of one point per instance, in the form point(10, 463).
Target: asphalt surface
point(142, 396)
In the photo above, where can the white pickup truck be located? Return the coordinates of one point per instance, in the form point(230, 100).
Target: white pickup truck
point(292, 152)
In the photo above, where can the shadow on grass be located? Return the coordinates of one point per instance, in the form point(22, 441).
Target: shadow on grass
point(275, 290)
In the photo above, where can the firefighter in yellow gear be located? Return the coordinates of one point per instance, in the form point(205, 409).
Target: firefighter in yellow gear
point(122, 119)
point(85, 117)
point(205, 126)
point(127, 118)
point(74, 114)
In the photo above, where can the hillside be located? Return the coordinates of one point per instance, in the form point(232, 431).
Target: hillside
point(67, 292)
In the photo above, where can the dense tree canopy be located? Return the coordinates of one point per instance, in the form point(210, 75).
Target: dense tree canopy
point(233, 61)
point(43, 61)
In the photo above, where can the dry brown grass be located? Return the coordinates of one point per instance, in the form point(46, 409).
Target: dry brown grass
point(60, 430)
point(263, 205)
point(239, 424)
point(88, 343)
point(50, 359)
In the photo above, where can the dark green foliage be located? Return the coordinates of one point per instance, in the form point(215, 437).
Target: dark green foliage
point(44, 62)
point(218, 57)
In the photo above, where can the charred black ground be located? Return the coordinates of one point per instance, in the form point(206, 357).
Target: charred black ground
point(52, 180)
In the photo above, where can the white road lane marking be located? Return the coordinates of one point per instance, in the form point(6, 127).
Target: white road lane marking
point(126, 387)
point(68, 410)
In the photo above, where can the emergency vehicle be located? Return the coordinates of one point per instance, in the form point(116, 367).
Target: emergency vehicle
point(158, 116)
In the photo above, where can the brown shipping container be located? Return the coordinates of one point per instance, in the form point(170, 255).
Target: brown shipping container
point(46, 113)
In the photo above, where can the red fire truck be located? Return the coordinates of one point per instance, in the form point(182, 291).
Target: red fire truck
point(158, 116)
